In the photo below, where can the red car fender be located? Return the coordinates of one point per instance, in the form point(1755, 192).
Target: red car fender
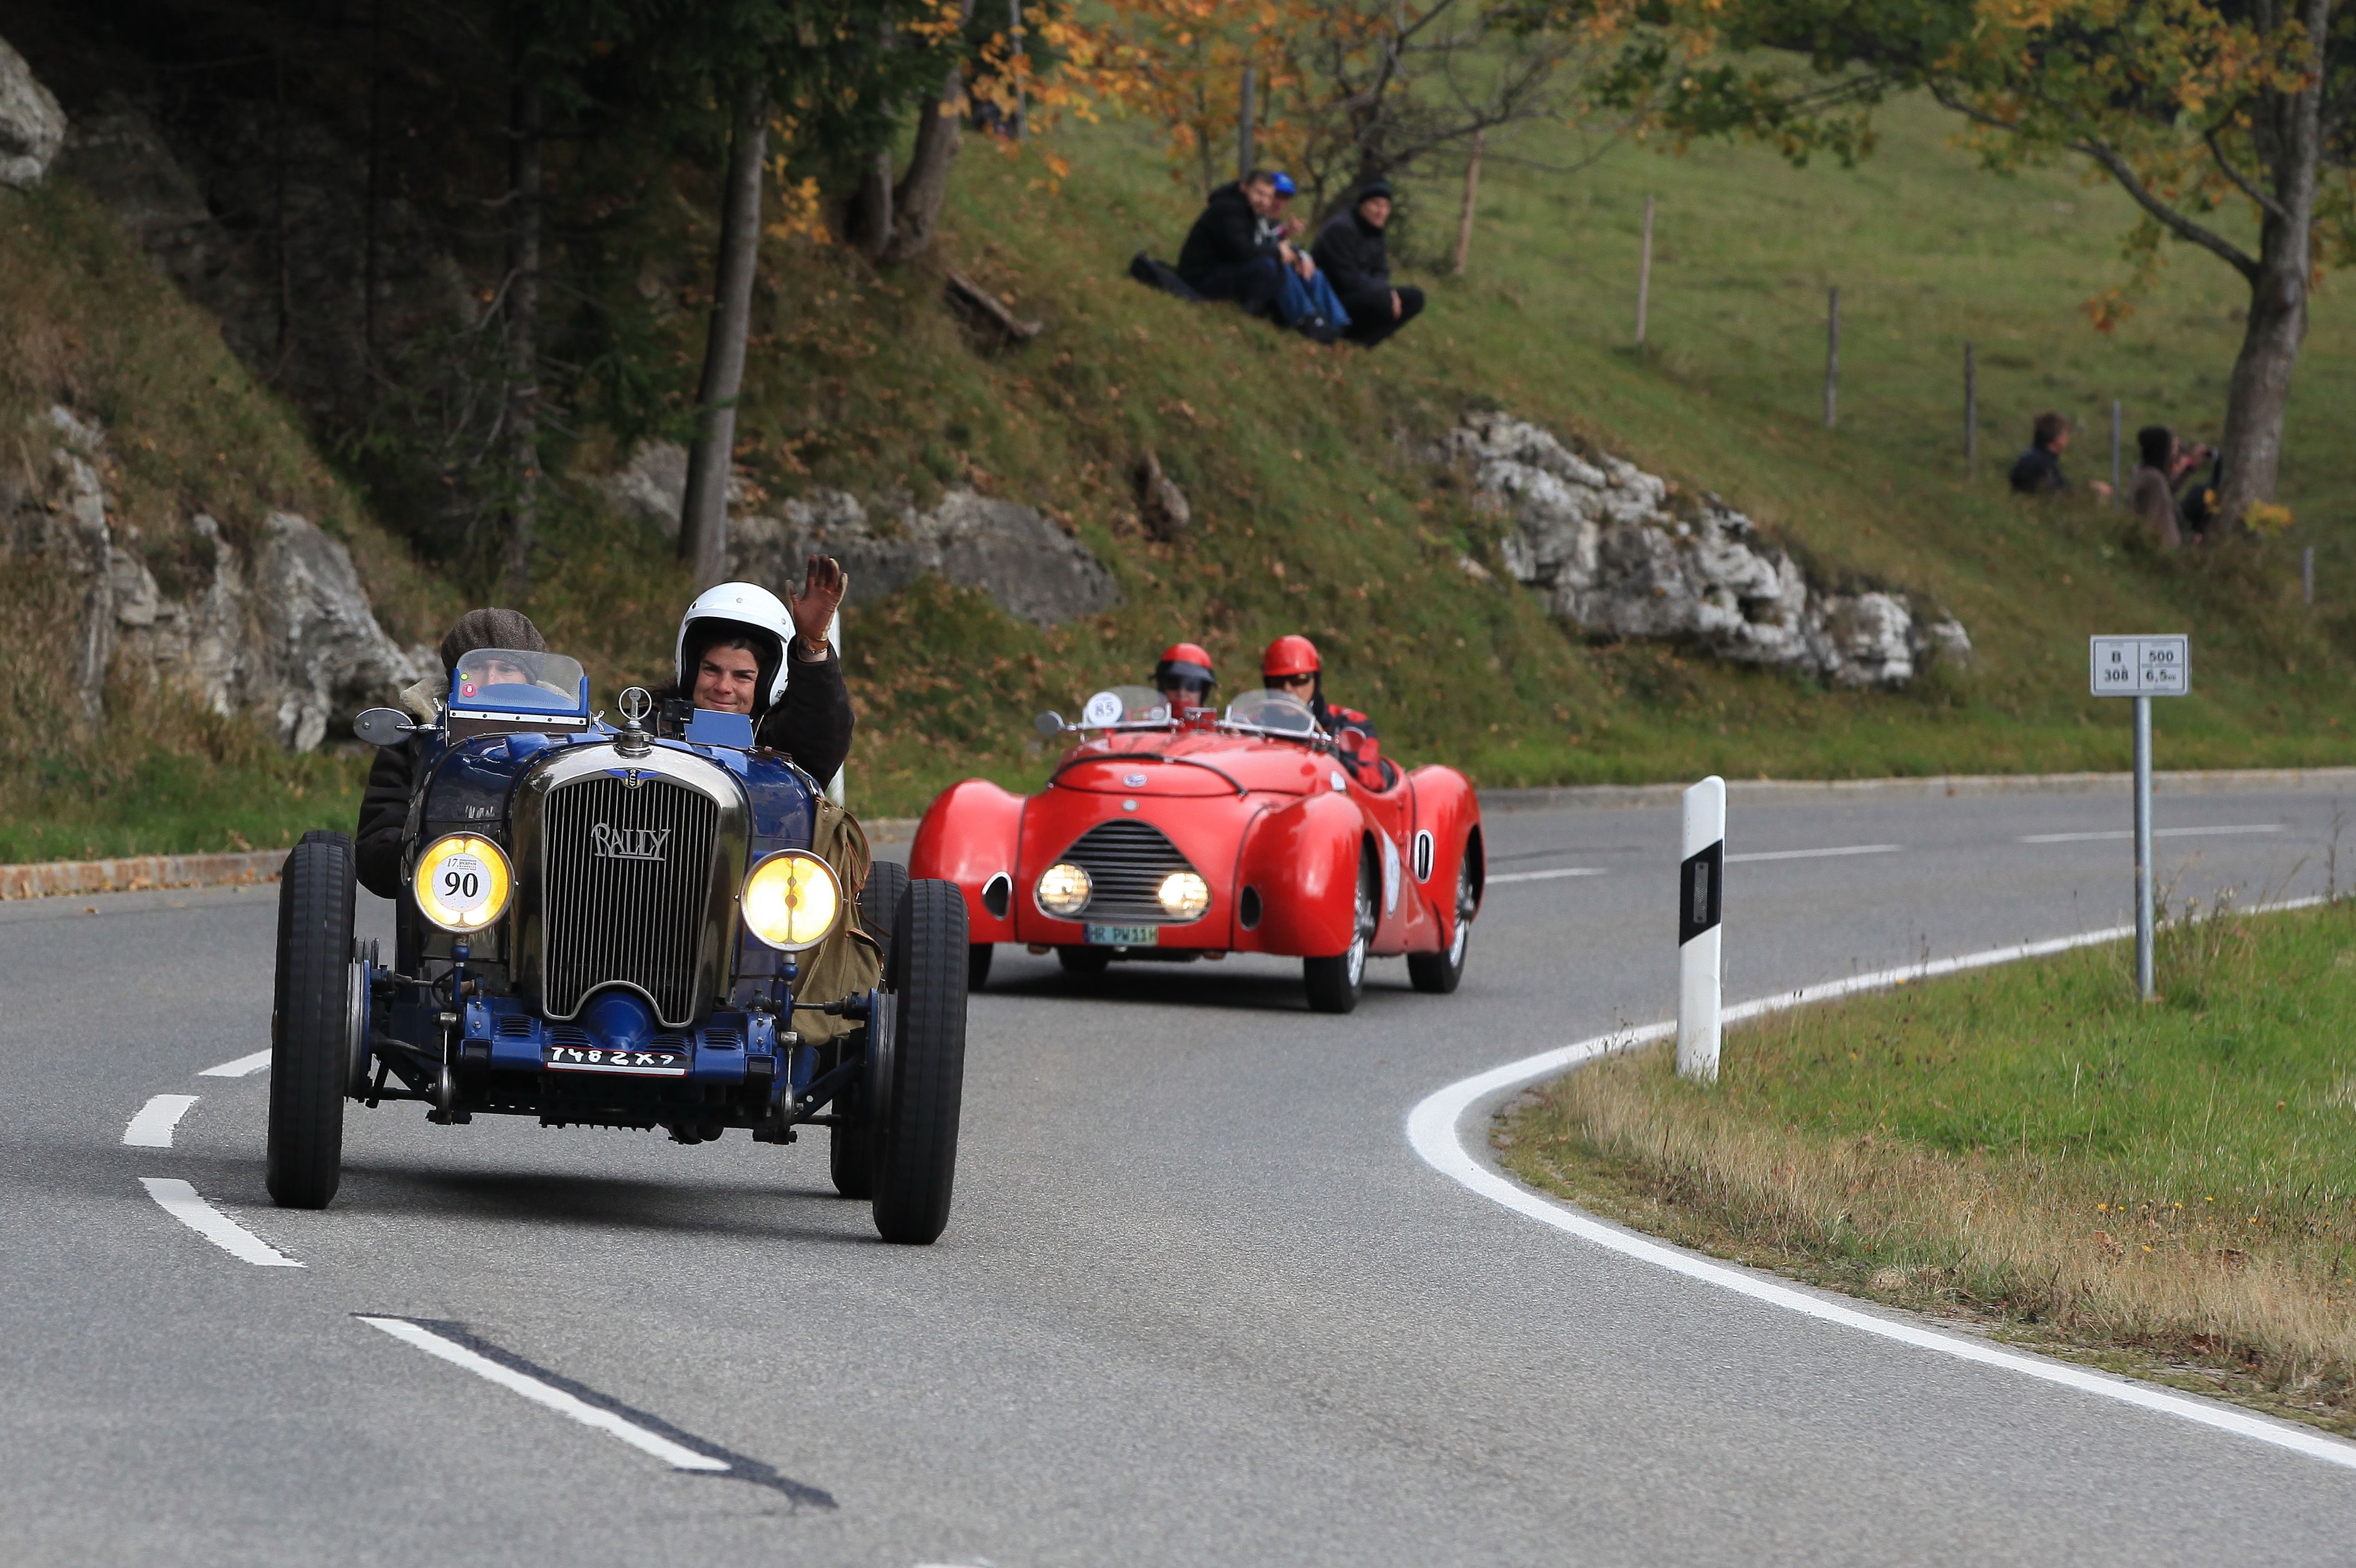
point(1302, 859)
point(968, 837)
point(1448, 809)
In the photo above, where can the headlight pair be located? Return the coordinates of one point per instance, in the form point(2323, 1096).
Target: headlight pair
point(464, 882)
point(1065, 891)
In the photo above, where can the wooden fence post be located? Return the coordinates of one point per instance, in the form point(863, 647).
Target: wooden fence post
point(1832, 356)
point(1644, 274)
point(1244, 125)
point(1471, 195)
point(1971, 410)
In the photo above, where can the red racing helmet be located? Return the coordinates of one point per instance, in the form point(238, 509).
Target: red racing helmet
point(1289, 655)
point(1186, 662)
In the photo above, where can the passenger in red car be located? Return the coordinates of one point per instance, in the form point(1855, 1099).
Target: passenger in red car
point(1291, 666)
point(1184, 676)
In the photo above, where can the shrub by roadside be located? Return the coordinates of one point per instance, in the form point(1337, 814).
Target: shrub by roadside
point(2169, 1188)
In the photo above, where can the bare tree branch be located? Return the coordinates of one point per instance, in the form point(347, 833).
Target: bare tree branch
point(2225, 167)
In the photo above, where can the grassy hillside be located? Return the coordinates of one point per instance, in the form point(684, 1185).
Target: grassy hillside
point(1311, 515)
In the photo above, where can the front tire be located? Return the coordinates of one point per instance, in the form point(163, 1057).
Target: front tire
point(977, 966)
point(310, 1034)
point(879, 901)
point(1440, 973)
point(916, 1134)
point(1334, 984)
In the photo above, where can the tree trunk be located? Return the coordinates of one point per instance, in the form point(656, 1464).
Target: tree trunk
point(1471, 197)
point(371, 272)
point(917, 203)
point(2290, 129)
point(703, 519)
point(523, 334)
point(870, 229)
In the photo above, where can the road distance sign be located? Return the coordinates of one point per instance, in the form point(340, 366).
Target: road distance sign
point(2139, 667)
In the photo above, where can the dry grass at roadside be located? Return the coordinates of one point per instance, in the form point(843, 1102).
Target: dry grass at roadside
point(2172, 1186)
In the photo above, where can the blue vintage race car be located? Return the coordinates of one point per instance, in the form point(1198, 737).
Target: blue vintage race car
point(603, 927)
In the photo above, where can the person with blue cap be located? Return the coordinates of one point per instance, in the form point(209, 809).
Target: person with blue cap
point(1308, 304)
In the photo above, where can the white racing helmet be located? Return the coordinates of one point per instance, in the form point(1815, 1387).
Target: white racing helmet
point(739, 604)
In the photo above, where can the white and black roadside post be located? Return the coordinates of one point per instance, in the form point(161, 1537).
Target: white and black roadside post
point(1701, 879)
point(2142, 668)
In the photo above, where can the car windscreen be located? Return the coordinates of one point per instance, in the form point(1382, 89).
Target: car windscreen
point(513, 680)
point(1279, 712)
point(1125, 705)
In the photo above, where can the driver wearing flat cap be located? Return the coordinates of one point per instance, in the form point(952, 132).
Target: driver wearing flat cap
point(743, 650)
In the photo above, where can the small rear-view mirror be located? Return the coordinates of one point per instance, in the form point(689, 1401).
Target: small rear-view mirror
point(383, 726)
point(1051, 723)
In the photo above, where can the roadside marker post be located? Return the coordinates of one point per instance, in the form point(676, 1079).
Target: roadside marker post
point(2142, 668)
point(1701, 880)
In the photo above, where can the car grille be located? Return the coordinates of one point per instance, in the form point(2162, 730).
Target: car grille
point(1126, 862)
point(626, 889)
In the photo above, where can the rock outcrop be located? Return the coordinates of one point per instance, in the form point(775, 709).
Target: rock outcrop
point(284, 631)
point(1613, 552)
point(32, 126)
point(1031, 569)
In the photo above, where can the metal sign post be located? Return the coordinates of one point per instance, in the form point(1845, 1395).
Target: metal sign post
point(1701, 878)
point(2142, 668)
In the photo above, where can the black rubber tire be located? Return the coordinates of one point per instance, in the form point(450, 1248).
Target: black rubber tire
point(1084, 962)
point(1335, 983)
point(915, 1152)
point(879, 901)
point(977, 965)
point(1439, 973)
point(309, 1041)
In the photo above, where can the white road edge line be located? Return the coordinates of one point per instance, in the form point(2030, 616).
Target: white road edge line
point(1545, 876)
point(1431, 1130)
point(151, 1127)
point(2120, 833)
point(241, 1068)
point(180, 1202)
point(676, 1456)
point(1816, 854)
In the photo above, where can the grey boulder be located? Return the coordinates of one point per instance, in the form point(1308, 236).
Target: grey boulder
point(32, 126)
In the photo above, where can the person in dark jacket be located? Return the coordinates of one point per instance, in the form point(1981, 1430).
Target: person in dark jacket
point(2038, 471)
point(384, 807)
point(1225, 257)
point(1351, 252)
point(740, 650)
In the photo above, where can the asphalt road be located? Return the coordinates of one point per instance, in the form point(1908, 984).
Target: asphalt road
point(1199, 1302)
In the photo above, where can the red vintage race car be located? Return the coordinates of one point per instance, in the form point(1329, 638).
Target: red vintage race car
point(1196, 834)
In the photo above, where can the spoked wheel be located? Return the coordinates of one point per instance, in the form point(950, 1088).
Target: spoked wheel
point(311, 1052)
point(1083, 963)
point(1334, 984)
point(1440, 973)
point(921, 1078)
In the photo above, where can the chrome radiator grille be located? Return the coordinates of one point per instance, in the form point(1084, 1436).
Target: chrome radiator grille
point(1126, 862)
point(625, 883)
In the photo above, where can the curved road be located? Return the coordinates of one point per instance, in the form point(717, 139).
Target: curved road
point(1199, 1303)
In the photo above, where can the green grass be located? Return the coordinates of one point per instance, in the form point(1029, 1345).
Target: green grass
point(2033, 1143)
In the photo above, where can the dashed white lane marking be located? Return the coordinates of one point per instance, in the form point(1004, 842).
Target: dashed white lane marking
point(677, 1455)
point(2156, 832)
point(242, 1067)
point(1546, 876)
point(151, 1127)
point(1816, 854)
point(180, 1202)
point(1431, 1129)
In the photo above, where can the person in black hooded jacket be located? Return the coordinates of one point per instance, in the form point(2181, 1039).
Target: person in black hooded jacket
point(1354, 256)
point(392, 776)
point(1225, 257)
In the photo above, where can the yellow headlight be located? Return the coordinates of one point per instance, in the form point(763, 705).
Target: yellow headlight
point(1184, 895)
point(792, 901)
point(1065, 889)
point(463, 882)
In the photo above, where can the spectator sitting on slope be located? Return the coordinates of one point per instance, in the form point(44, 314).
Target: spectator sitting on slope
point(1225, 257)
point(2152, 495)
point(1351, 251)
point(2038, 471)
point(1308, 304)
